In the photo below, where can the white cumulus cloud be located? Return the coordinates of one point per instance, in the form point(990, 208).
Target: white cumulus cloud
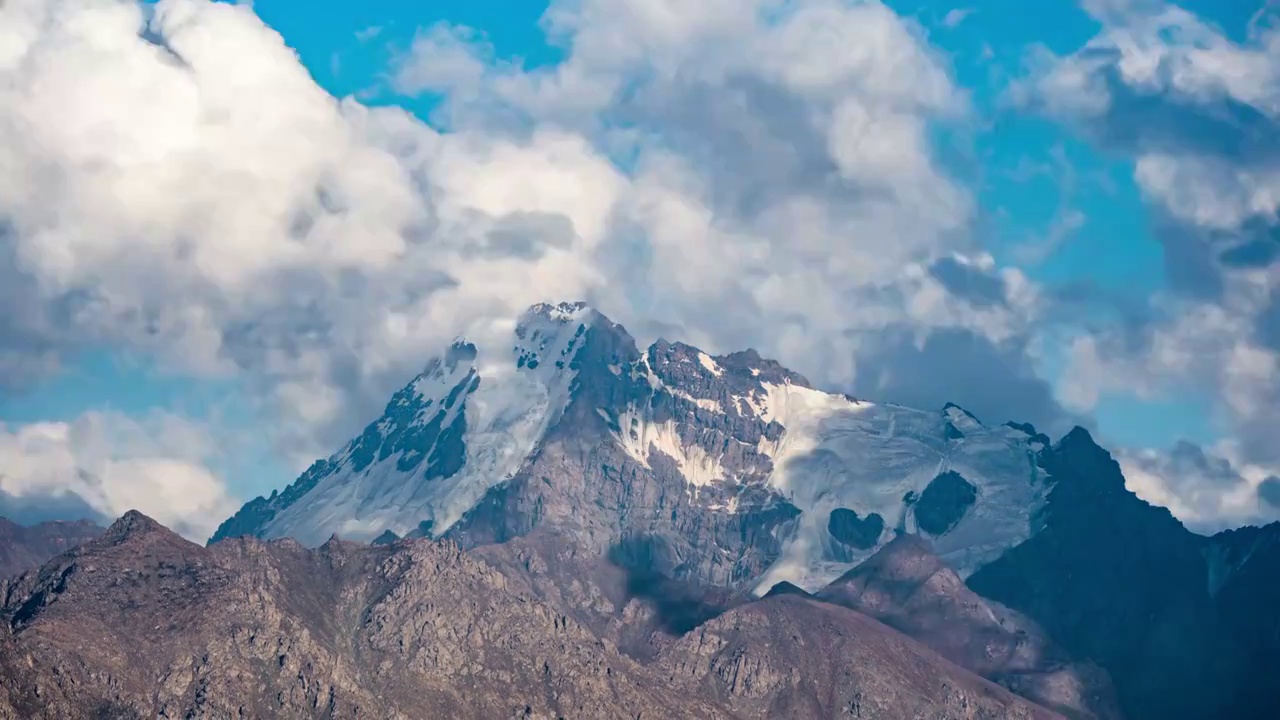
point(103, 464)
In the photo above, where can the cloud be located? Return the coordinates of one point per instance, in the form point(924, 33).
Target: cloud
point(368, 33)
point(1209, 490)
point(1196, 109)
point(102, 464)
point(1198, 113)
point(956, 16)
point(1269, 492)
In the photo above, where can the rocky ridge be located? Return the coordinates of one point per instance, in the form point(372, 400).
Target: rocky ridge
point(910, 589)
point(25, 547)
point(1187, 626)
point(141, 623)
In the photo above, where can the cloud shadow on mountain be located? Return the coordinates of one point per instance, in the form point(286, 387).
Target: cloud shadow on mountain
point(680, 605)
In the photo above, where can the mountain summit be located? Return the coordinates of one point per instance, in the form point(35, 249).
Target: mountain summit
point(729, 470)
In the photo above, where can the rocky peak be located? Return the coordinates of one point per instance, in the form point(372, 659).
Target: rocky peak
point(906, 586)
point(1101, 558)
point(960, 421)
point(1078, 437)
point(1088, 485)
point(786, 588)
point(134, 526)
point(906, 558)
point(562, 312)
point(750, 362)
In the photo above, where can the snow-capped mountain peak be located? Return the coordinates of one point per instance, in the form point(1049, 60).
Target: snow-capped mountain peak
point(462, 425)
point(728, 468)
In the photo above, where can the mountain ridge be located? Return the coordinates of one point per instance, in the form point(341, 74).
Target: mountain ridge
point(725, 431)
point(23, 547)
point(142, 623)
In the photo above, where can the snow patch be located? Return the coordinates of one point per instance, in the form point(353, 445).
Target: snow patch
point(640, 437)
point(710, 364)
point(704, 403)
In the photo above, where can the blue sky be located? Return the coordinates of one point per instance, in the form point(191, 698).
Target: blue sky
point(1051, 201)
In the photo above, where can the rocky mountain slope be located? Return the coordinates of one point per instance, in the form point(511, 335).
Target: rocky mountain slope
point(25, 547)
point(141, 623)
point(726, 470)
point(909, 588)
point(1187, 626)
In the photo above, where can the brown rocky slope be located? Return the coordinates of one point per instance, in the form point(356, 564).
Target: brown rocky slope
point(141, 623)
point(907, 587)
point(23, 547)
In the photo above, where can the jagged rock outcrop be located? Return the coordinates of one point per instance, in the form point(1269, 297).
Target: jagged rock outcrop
point(142, 624)
point(25, 547)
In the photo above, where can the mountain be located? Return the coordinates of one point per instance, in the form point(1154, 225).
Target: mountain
point(26, 547)
point(699, 482)
point(907, 587)
point(727, 470)
point(141, 623)
point(1187, 626)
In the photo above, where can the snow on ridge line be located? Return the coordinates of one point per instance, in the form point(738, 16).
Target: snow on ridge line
point(801, 412)
point(514, 407)
point(522, 390)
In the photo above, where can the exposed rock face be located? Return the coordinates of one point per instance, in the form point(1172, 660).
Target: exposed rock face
point(907, 587)
point(1187, 626)
point(141, 624)
point(944, 502)
point(786, 588)
point(620, 480)
point(849, 529)
point(26, 547)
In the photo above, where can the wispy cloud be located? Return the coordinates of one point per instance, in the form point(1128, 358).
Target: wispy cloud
point(956, 16)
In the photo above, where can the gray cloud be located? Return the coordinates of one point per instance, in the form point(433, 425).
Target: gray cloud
point(30, 510)
point(1205, 489)
point(1269, 491)
point(103, 464)
point(988, 379)
point(965, 281)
